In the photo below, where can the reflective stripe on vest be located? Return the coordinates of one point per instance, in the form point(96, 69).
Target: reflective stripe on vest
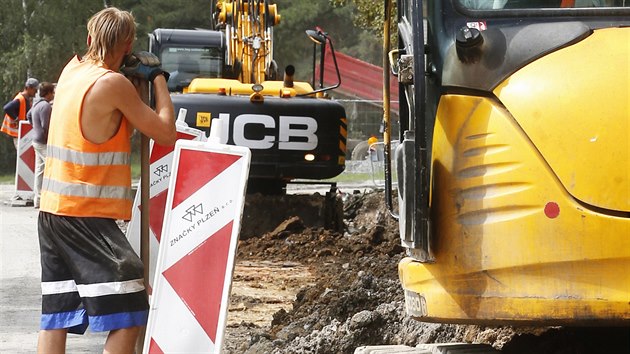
point(81, 178)
point(86, 190)
point(11, 126)
point(88, 158)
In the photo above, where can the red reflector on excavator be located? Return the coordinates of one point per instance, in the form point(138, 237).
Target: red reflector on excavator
point(552, 210)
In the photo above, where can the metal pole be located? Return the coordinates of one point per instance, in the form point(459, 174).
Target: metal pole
point(144, 212)
point(314, 63)
point(321, 64)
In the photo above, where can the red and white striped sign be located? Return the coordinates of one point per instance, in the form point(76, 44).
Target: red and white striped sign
point(160, 160)
point(25, 162)
point(196, 258)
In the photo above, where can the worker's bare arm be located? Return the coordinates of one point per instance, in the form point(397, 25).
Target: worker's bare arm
point(113, 96)
point(164, 105)
point(158, 125)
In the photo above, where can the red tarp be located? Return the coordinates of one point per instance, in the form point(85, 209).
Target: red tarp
point(359, 79)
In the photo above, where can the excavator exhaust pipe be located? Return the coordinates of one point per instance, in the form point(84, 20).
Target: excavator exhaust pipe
point(289, 71)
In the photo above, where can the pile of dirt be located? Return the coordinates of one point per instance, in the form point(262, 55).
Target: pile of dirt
point(263, 213)
point(356, 298)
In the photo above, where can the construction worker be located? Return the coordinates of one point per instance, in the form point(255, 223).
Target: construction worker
point(16, 109)
point(39, 116)
point(372, 148)
point(90, 274)
point(372, 140)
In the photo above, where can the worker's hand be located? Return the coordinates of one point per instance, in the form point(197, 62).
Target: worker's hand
point(143, 65)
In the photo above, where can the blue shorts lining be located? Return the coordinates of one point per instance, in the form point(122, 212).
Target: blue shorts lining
point(77, 321)
point(118, 320)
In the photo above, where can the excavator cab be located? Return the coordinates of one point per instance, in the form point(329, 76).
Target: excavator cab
point(188, 54)
point(514, 161)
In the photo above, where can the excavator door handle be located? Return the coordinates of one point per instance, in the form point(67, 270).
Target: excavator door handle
point(393, 61)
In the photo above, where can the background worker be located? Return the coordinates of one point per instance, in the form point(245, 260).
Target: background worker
point(16, 109)
point(39, 116)
point(90, 273)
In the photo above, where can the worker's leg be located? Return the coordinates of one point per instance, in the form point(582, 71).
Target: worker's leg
point(62, 311)
point(106, 275)
point(40, 160)
point(121, 341)
point(52, 341)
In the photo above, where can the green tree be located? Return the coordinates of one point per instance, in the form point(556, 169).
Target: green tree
point(369, 14)
point(38, 37)
point(292, 46)
point(184, 14)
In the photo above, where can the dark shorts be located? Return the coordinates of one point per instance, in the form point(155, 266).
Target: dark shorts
point(90, 275)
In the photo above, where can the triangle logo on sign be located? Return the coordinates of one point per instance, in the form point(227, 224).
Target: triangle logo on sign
point(190, 178)
point(199, 276)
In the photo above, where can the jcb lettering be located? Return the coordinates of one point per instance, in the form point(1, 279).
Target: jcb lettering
point(290, 127)
point(259, 131)
point(241, 122)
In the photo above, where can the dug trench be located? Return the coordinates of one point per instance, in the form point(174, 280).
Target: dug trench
point(308, 289)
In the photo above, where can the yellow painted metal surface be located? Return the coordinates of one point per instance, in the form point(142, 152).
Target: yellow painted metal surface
point(250, 41)
point(511, 243)
point(235, 87)
point(574, 104)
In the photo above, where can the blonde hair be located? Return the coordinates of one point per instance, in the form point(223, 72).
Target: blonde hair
point(108, 29)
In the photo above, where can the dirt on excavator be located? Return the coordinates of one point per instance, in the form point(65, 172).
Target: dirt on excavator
point(308, 289)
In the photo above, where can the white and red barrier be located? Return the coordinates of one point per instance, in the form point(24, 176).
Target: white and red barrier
point(204, 202)
point(25, 162)
point(160, 160)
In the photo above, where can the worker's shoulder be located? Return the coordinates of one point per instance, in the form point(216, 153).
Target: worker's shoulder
point(113, 78)
point(112, 84)
point(11, 104)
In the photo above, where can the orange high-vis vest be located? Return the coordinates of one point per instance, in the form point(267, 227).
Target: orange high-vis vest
point(9, 125)
point(81, 178)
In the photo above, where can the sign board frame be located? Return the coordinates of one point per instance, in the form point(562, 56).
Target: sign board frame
point(204, 205)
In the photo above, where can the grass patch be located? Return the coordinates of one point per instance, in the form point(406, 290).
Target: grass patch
point(351, 177)
point(7, 178)
point(135, 170)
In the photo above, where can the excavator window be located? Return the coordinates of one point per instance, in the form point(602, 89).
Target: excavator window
point(186, 63)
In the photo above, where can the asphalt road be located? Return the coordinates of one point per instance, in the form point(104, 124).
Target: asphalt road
point(20, 294)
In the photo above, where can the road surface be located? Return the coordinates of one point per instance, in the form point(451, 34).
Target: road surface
point(20, 294)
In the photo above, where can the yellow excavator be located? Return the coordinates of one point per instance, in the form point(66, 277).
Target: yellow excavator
point(295, 132)
point(514, 161)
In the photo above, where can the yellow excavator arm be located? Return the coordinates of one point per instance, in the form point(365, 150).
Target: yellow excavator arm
point(249, 35)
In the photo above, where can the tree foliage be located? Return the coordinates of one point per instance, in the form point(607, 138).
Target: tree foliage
point(292, 46)
point(38, 37)
point(369, 14)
